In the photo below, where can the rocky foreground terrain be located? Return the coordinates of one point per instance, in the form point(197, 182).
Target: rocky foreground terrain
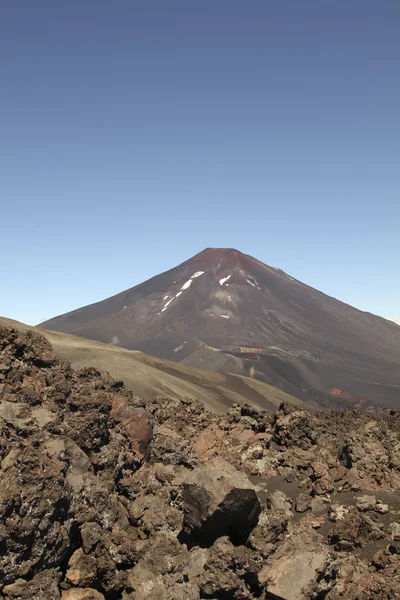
point(103, 497)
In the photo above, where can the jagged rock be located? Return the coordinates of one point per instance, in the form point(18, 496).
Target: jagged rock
point(311, 521)
point(322, 482)
point(161, 571)
point(82, 569)
point(87, 419)
point(279, 501)
point(34, 498)
point(136, 423)
point(366, 503)
point(226, 570)
point(395, 457)
point(5, 364)
point(79, 465)
point(337, 512)
point(170, 448)
point(354, 530)
point(153, 513)
point(318, 506)
point(395, 529)
point(82, 594)
point(372, 587)
point(381, 508)
point(91, 534)
point(219, 500)
point(43, 586)
point(294, 567)
point(387, 557)
point(303, 503)
point(351, 578)
point(271, 527)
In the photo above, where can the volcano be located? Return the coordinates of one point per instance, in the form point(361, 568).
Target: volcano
point(226, 311)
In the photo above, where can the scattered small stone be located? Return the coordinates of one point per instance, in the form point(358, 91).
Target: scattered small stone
point(303, 503)
point(318, 506)
point(311, 520)
point(279, 501)
point(82, 594)
point(395, 529)
point(337, 512)
point(381, 508)
point(366, 503)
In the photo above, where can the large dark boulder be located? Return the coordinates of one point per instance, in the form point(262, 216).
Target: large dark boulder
point(219, 500)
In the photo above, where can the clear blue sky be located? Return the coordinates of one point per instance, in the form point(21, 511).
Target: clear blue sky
point(135, 133)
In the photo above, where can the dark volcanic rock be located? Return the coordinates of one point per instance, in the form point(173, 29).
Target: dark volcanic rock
point(34, 501)
point(218, 500)
point(303, 503)
point(43, 586)
point(135, 421)
point(355, 529)
point(102, 497)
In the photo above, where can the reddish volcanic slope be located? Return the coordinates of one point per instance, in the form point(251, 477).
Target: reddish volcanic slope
point(224, 310)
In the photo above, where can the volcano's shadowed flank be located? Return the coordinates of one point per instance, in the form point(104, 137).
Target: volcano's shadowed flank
point(224, 310)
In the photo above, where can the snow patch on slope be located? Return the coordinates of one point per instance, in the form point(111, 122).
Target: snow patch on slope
point(169, 302)
point(178, 348)
point(189, 281)
point(185, 286)
point(224, 279)
point(252, 281)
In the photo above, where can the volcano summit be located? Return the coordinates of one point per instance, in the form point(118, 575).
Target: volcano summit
point(226, 311)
